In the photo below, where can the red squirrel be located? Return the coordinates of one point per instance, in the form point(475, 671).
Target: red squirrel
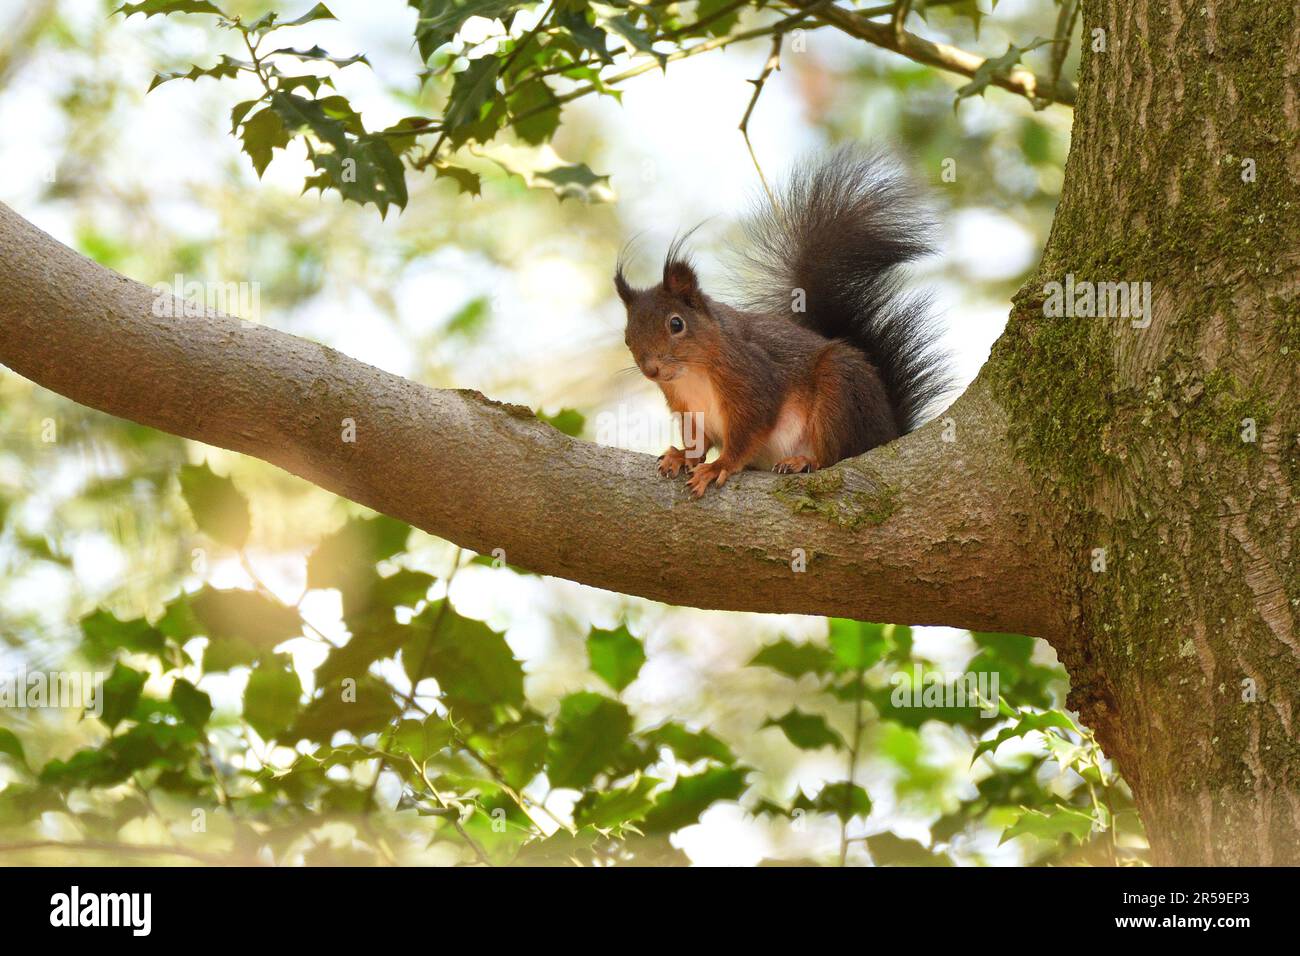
point(826, 357)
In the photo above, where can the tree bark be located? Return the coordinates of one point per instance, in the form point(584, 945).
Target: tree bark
point(925, 530)
point(1102, 489)
point(1175, 447)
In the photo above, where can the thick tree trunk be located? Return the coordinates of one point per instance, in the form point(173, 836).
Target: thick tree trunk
point(1128, 493)
point(1174, 447)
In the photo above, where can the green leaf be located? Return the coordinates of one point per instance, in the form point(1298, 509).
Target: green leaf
point(995, 68)
point(225, 68)
point(1050, 825)
point(540, 167)
point(589, 733)
point(518, 751)
point(472, 663)
point(795, 660)
point(219, 509)
point(537, 109)
point(616, 808)
point(440, 20)
point(12, 746)
point(151, 7)
point(688, 745)
point(1028, 723)
point(807, 731)
point(888, 849)
point(724, 22)
point(587, 36)
point(616, 656)
point(345, 559)
point(857, 645)
point(318, 12)
point(241, 625)
point(271, 697)
point(470, 91)
point(261, 135)
point(421, 739)
point(316, 53)
point(566, 420)
point(465, 180)
point(194, 706)
point(636, 37)
point(119, 694)
point(843, 799)
point(104, 634)
point(691, 796)
point(359, 706)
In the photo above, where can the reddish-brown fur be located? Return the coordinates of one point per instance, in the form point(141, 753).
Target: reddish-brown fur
point(767, 387)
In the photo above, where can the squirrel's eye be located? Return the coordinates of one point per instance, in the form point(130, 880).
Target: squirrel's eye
point(675, 324)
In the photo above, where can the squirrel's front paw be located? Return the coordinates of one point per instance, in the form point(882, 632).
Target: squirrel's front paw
point(705, 475)
point(672, 462)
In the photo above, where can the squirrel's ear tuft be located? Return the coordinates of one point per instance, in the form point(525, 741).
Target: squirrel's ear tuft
point(625, 291)
point(680, 280)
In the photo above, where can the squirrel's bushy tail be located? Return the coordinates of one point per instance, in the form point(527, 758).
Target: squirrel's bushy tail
point(841, 229)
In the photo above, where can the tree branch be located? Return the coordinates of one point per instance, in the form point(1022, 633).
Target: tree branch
point(891, 36)
point(924, 530)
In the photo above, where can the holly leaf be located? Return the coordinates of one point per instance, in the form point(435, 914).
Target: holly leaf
point(271, 697)
point(843, 799)
point(540, 167)
point(219, 509)
point(995, 68)
point(1026, 724)
point(807, 731)
point(12, 746)
point(194, 706)
point(616, 656)
point(689, 797)
point(616, 808)
point(889, 849)
point(421, 739)
point(225, 68)
point(318, 12)
point(589, 733)
point(441, 20)
point(466, 180)
point(566, 420)
point(472, 663)
point(346, 558)
point(152, 7)
point(359, 707)
point(1051, 825)
point(104, 634)
point(119, 693)
point(795, 660)
point(688, 745)
point(240, 625)
point(855, 644)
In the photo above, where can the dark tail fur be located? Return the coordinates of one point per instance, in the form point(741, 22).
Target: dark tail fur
point(842, 229)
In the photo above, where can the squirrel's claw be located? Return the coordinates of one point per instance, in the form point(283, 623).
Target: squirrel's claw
point(672, 462)
point(796, 463)
point(704, 475)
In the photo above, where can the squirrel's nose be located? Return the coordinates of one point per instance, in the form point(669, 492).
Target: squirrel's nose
point(651, 369)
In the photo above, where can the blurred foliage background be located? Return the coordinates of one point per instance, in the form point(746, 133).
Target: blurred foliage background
point(289, 679)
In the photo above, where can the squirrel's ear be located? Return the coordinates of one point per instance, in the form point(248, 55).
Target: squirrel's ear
point(680, 280)
point(625, 291)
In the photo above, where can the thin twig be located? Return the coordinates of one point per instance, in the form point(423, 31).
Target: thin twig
point(773, 63)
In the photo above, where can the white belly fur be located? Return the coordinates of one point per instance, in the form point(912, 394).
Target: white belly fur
point(788, 438)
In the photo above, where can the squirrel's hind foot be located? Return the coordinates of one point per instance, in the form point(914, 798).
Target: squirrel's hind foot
point(795, 463)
